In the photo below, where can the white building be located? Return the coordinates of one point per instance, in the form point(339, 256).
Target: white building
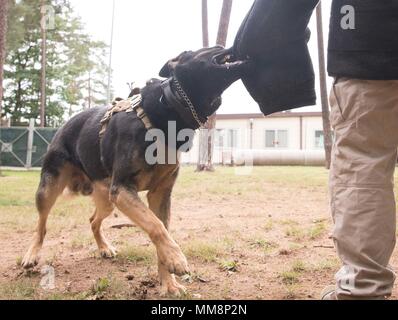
point(285, 138)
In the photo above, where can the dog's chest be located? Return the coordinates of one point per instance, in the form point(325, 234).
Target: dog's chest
point(151, 178)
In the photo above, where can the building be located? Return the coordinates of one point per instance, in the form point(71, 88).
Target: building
point(284, 134)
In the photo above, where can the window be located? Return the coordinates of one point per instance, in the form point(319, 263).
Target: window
point(232, 136)
point(319, 139)
point(276, 138)
point(226, 138)
point(219, 138)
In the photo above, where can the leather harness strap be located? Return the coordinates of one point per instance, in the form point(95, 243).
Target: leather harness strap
point(175, 97)
point(131, 104)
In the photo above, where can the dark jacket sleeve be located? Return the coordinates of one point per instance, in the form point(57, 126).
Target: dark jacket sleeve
point(274, 38)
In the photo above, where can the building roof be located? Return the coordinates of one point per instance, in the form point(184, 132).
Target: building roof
point(243, 116)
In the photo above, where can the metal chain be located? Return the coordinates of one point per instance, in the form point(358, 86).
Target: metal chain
point(189, 103)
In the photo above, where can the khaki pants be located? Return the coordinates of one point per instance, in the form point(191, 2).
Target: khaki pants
point(365, 121)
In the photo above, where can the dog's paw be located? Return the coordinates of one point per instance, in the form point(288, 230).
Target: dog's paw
point(174, 260)
point(172, 289)
point(108, 252)
point(29, 260)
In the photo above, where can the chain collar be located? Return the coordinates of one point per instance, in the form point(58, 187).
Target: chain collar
point(188, 102)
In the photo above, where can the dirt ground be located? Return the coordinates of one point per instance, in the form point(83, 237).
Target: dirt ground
point(259, 236)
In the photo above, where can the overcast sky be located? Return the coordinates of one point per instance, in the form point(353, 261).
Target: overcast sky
point(147, 33)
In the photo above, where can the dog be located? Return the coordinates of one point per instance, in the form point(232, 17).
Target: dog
point(112, 169)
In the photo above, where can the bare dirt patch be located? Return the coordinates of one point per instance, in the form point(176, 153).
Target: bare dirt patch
point(261, 236)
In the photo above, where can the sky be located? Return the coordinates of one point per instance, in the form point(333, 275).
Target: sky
point(147, 33)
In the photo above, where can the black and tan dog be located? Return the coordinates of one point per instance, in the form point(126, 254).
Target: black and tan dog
point(113, 168)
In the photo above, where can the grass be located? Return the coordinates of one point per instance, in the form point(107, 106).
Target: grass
point(276, 228)
point(224, 181)
point(298, 233)
point(265, 245)
point(269, 225)
point(292, 275)
point(317, 230)
point(299, 266)
point(137, 255)
point(21, 289)
point(101, 286)
point(82, 240)
point(289, 277)
point(108, 288)
point(329, 264)
point(204, 251)
point(295, 233)
point(232, 266)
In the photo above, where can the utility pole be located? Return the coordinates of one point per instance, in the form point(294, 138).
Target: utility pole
point(110, 54)
point(43, 25)
point(89, 89)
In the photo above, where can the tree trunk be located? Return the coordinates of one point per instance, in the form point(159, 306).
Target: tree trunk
point(202, 153)
point(206, 146)
point(327, 131)
point(205, 24)
point(3, 36)
point(43, 66)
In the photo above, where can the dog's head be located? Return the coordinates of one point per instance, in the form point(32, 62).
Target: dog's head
point(204, 75)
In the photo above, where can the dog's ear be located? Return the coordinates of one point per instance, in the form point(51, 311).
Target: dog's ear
point(167, 70)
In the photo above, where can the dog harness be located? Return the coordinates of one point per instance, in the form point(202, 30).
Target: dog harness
point(132, 104)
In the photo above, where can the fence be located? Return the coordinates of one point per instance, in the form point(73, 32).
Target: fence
point(24, 147)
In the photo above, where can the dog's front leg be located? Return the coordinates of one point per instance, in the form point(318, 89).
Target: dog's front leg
point(159, 202)
point(169, 253)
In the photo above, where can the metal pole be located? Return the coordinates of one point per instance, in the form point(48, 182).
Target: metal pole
point(29, 148)
point(43, 66)
point(110, 53)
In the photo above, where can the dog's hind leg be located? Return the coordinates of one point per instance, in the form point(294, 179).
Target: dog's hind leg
point(50, 187)
point(159, 201)
point(103, 208)
point(169, 253)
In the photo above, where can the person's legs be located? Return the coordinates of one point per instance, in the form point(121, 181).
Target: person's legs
point(365, 121)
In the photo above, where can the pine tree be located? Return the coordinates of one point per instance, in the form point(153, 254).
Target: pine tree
point(71, 56)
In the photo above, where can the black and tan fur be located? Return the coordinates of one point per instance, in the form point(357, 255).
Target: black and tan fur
point(113, 169)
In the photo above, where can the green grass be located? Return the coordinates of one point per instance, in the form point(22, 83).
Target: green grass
point(108, 288)
point(265, 245)
point(204, 251)
point(289, 277)
point(295, 233)
point(299, 266)
point(229, 265)
point(317, 230)
point(18, 215)
point(21, 289)
point(135, 254)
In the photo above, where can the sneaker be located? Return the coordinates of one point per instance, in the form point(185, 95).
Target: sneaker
point(329, 293)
